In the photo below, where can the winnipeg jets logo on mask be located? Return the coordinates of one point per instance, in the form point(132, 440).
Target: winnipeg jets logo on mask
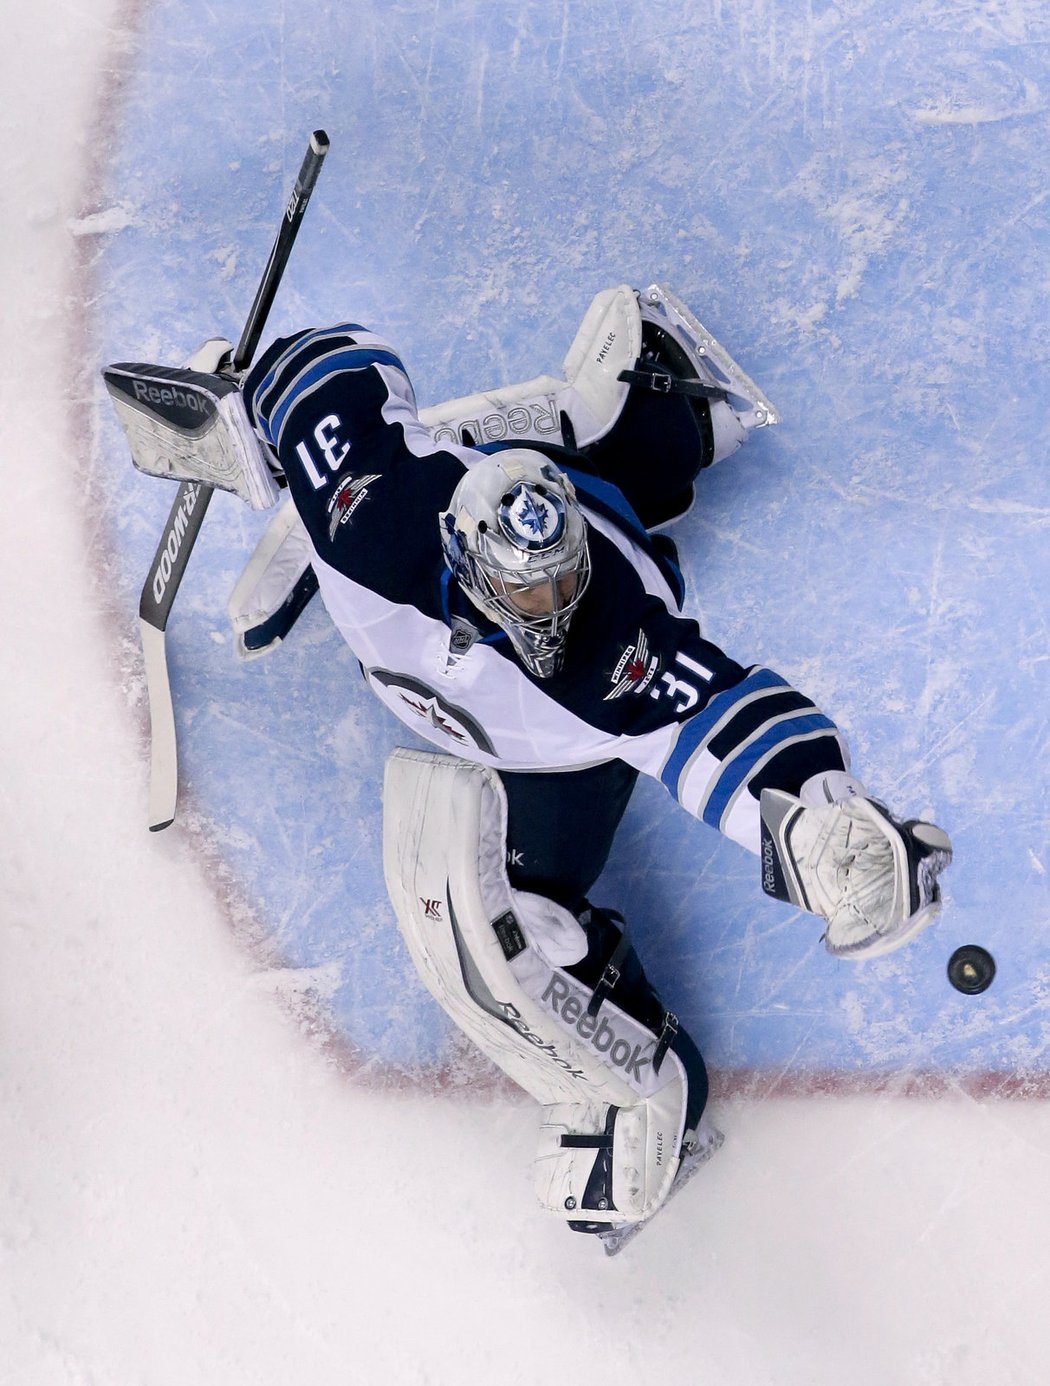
point(531, 517)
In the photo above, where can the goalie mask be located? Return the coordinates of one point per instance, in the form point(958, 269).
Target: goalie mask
point(516, 542)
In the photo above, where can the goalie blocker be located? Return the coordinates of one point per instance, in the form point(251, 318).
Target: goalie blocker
point(190, 425)
point(559, 1003)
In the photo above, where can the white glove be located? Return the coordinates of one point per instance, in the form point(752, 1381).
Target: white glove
point(212, 356)
point(838, 853)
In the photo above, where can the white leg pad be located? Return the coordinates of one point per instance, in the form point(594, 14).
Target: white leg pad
point(515, 413)
point(280, 559)
point(642, 1160)
point(608, 341)
point(495, 958)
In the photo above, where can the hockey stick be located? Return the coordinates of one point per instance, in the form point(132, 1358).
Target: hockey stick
point(187, 515)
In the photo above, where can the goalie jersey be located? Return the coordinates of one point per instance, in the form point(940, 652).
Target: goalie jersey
point(639, 683)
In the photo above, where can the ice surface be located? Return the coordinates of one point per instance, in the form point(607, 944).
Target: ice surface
point(206, 1176)
point(853, 201)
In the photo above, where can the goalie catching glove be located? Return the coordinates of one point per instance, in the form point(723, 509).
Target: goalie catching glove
point(837, 853)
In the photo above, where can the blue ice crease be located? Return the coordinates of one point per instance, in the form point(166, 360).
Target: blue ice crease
point(854, 200)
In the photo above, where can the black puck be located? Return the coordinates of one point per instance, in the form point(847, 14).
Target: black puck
point(971, 969)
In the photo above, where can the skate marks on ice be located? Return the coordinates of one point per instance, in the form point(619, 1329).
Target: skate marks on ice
point(880, 547)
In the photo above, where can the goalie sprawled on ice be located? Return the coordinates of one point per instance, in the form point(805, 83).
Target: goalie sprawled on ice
point(496, 566)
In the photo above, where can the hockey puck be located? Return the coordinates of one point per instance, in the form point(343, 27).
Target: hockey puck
point(971, 969)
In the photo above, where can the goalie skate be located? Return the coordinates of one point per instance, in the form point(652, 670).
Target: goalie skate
point(713, 364)
point(710, 1140)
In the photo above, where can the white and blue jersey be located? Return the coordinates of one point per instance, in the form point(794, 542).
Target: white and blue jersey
point(639, 683)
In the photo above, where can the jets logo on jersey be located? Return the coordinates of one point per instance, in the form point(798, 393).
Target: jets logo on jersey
point(431, 712)
point(347, 498)
point(453, 722)
point(634, 669)
point(531, 517)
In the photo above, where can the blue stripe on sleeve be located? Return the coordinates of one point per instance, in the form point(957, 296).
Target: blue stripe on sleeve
point(303, 345)
point(298, 343)
point(736, 771)
point(351, 358)
point(694, 731)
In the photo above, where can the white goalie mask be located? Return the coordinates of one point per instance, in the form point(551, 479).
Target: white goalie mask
point(516, 541)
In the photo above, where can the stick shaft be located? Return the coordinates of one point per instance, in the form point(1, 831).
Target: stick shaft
point(187, 514)
point(282, 248)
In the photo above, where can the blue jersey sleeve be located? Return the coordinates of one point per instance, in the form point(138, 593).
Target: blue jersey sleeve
point(337, 408)
point(712, 730)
